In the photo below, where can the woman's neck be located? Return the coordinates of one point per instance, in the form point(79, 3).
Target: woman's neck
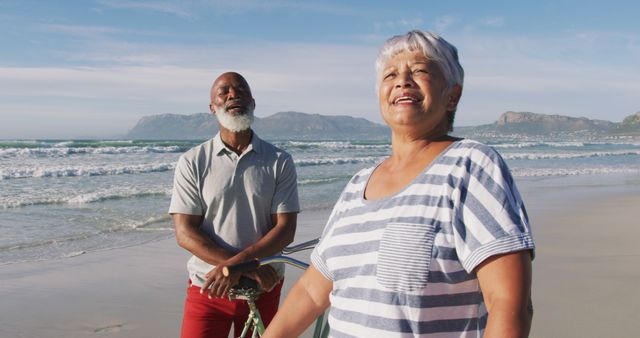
point(406, 147)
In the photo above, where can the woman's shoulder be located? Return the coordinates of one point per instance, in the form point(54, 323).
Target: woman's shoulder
point(361, 176)
point(473, 148)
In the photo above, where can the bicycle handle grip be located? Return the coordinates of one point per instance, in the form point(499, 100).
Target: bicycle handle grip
point(241, 267)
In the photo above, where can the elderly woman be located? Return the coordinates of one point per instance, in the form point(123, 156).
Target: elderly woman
point(434, 240)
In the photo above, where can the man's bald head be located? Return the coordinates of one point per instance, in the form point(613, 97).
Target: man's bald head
point(229, 78)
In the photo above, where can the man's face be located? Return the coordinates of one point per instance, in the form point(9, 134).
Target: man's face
point(232, 102)
point(231, 93)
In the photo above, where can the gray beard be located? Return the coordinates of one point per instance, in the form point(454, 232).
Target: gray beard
point(232, 122)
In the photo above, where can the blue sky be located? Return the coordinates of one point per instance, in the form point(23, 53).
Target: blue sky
point(92, 68)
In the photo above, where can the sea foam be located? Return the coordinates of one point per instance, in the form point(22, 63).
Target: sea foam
point(69, 151)
point(338, 160)
point(568, 155)
point(114, 193)
point(84, 170)
point(539, 172)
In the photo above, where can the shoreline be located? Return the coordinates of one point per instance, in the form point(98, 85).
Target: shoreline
point(136, 291)
point(584, 275)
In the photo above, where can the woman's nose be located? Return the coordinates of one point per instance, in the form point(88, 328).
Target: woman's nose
point(404, 80)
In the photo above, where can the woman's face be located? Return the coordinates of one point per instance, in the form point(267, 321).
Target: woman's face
point(413, 93)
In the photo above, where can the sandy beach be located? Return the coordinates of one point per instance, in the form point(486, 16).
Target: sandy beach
point(585, 272)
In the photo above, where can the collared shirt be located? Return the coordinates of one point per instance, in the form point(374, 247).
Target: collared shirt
point(236, 194)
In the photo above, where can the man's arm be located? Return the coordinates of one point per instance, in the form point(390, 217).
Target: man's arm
point(275, 240)
point(505, 281)
point(270, 244)
point(190, 237)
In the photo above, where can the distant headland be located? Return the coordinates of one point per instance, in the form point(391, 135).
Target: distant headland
point(303, 126)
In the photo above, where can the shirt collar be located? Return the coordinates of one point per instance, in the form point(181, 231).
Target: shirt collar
point(219, 147)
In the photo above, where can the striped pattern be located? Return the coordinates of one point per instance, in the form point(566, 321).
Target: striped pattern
point(403, 266)
point(404, 256)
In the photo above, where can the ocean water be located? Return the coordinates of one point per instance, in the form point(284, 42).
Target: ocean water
point(66, 198)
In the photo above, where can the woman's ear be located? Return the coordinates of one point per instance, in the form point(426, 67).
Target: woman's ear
point(454, 97)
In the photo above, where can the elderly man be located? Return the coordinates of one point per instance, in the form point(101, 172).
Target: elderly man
point(234, 199)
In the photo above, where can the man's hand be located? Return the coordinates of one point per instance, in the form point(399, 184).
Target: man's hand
point(216, 284)
point(266, 276)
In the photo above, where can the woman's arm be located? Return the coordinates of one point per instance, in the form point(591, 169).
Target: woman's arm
point(505, 281)
point(307, 299)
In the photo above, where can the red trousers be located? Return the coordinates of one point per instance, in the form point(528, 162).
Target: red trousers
point(212, 318)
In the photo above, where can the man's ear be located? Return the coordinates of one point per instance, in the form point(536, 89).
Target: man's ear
point(212, 108)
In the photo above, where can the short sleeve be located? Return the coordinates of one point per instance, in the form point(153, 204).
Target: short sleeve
point(489, 215)
point(185, 197)
point(317, 255)
point(285, 197)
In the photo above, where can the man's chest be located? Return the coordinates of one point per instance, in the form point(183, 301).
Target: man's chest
point(229, 181)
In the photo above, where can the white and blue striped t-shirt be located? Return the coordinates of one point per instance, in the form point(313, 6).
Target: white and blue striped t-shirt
point(402, 266)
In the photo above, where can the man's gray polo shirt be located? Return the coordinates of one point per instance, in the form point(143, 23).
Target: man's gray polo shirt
point(236, 194)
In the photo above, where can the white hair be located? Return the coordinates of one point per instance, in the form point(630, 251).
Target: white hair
point(232, 122)
point(432, 46)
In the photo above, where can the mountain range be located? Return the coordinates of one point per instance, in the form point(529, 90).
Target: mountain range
point(303, 126)
point(279, 126)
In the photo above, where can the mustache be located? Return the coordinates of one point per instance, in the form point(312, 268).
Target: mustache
point(234, 103)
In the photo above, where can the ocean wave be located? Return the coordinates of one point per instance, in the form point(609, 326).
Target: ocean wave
point(560, 144)
point(565, 155)
point(538, 172)
point(319, 180)
point(86, 198)
point(341, 160)
point(333, 145)
point(78, 244)
point(68, 151)
point(38, 172)
point(146, 225)
point(531, 144)
point(74, 254)
point(152, 224)
point(41, 243)
point(110, 195)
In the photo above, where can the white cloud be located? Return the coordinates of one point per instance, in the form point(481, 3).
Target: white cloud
point(241, 6)
point(100, 83)
point(534, 74)
point(398, 26)
point(444, 22)
point(314, 78)
point(128, 80)
point(177, 8)
point(80, 30)
point(493, 22)
point(191, 9)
